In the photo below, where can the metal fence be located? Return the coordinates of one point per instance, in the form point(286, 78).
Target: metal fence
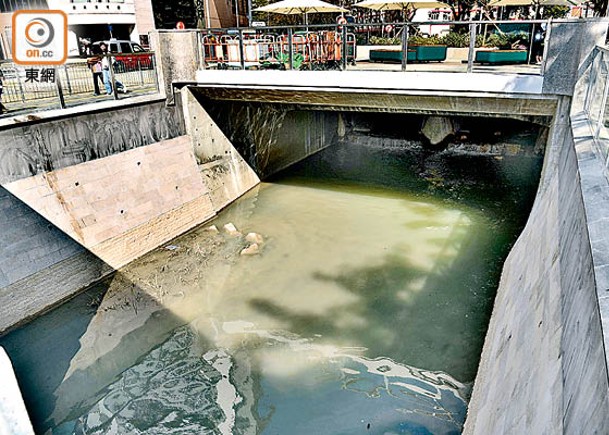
point(40, 88)
point(469, 46)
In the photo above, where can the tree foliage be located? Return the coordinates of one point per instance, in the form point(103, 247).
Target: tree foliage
point(167, 13)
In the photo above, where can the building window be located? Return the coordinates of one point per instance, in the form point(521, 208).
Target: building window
point(15, 5)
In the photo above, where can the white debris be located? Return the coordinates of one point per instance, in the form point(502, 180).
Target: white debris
point(252, 249)
point(231, 230)
point(255, 238)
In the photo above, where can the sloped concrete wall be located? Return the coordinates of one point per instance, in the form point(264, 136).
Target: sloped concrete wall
point(82, 213)
point(39, 265)
point(543, 366)
point(122, 206)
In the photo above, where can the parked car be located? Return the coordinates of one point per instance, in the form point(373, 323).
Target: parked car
point(129, 55)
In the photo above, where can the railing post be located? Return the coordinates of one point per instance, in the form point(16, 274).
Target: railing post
point(65, 68)
point(404, 46)
point(202, 55)
point(290, 48)
point(156, 73)
point(19, 83)
point(530, 56)
point(591, 81)
point(546, 46)
point(601, 114)
point(112, 78)
point(472, 47)
point(139, 68)
point(241, 48)
point(62, 101)
point(344, 47)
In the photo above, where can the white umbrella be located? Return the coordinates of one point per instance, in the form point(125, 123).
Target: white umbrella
point(400, 5)
point(291, 7)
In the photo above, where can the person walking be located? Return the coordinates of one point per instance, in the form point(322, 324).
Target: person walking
point(95, 65)
point(106, 65)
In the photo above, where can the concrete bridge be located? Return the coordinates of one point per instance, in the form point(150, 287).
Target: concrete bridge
point(86, 191)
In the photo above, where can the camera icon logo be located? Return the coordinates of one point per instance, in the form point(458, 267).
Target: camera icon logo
point(40, 37)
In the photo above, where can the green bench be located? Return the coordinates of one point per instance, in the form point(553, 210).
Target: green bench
point(390, 56)
point(494, 57)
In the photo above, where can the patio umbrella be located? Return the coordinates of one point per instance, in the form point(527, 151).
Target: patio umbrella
point(305, 7)
point(400, 5)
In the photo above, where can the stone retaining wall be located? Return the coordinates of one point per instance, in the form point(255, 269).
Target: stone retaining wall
point(543, 365)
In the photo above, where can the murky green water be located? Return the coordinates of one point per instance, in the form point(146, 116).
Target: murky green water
point(365, 311)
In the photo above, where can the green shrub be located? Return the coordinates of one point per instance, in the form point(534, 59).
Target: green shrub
point(457, 40)
point(425, 40)
point(377, 40)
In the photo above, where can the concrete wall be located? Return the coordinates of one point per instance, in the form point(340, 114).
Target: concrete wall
point(36, 147)
point(177, 58)
point(570, 43)
point(13, 414)
point(543, 366)
point(272, 137)
point(122, 206)
point(118, 184)
point(39, 265)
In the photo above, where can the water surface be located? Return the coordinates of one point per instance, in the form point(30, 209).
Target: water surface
point(365, 311)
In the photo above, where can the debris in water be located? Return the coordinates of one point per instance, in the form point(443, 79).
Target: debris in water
point(255, 238)
point(252, 249)
point(172, 247)
point(231, 230)
point(212, 229)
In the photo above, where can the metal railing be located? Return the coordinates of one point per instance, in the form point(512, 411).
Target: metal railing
point(467, 46)
point(595, 93)
point(28, 88)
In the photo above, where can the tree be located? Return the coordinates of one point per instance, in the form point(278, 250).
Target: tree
point(599, 7)
point(461, 9)
point(167, 13)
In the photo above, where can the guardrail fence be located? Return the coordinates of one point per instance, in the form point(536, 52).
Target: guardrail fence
point(43, 88)
point(433, 45)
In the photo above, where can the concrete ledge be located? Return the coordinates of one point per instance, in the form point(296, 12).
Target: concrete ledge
point(439, 82)
point(14, 419)
point(102, 106)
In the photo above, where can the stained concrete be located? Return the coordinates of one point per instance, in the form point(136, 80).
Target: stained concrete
point(53, 144)
point(595, 186)
point(39, 264)
point(543, 367)
point(569, 44)
point(178, 57)
point(14, 419)
point(102, 184)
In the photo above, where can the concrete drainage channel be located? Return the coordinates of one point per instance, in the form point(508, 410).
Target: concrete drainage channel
point(543, 362)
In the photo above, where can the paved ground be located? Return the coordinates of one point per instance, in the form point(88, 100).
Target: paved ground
point(445, 67)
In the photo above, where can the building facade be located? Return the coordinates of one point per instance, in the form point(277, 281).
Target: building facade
point(88, 21)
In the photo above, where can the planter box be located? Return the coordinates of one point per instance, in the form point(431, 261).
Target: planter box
point(430, 53)
point(501, 56)
point(391, 56)
point(363, 51)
